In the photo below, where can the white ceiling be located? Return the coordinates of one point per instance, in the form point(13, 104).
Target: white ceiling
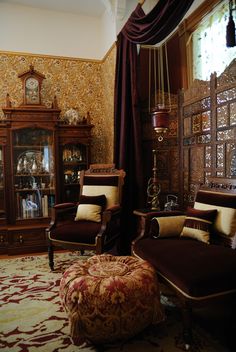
point(94, 8)
point(83, 7)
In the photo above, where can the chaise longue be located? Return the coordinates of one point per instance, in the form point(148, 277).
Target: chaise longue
point(193, 252)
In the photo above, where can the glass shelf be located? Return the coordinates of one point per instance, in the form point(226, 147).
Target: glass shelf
point(34, 176)
point(74, 159)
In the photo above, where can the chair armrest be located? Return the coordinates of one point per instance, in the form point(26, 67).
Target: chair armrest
point(64, 206)
point(110, 227)
point(114, 208)
point(110, 212)
point(62, 212)
point(155, 214)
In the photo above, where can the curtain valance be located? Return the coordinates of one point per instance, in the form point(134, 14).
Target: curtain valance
point(155, 26)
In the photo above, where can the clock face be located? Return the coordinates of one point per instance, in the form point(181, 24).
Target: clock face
point(32, 91)
point(32, 83)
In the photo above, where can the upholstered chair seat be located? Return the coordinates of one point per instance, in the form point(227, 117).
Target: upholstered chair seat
point(87, 230)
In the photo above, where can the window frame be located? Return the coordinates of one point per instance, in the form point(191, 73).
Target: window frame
point(186, 28)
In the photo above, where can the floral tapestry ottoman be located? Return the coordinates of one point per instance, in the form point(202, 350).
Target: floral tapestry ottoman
point(110, 298)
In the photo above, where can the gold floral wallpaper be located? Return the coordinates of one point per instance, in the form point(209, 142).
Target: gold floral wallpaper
point(86, 85)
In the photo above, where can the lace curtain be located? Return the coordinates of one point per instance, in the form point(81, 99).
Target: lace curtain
point(210, 53)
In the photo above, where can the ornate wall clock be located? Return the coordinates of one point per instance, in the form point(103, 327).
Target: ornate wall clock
point(32, 83)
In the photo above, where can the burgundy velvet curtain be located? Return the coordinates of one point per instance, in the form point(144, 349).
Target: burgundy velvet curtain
point(139, 29)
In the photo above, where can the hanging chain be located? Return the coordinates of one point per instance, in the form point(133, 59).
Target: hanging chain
point(167, 76)
point(149, 80)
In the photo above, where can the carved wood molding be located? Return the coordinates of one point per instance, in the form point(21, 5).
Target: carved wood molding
point(193, 20)
point(222, 184)
point(101, 168)
point(199, 88)
point(228, 77)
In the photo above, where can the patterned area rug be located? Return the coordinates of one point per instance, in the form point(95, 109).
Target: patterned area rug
point(32, 319)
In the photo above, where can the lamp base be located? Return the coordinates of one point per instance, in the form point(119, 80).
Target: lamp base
point(153, 191)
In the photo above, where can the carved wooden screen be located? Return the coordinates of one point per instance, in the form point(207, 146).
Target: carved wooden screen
point(208, 132)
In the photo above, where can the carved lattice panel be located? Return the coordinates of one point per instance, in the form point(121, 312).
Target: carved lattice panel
point(231, 160)
point(232, 109)
point(174, 170)
point(197, 165)
point(208, 139)
point(206, 121)
point(196, 123)
point(208, 151)
point(222, 116)
point(220, 159)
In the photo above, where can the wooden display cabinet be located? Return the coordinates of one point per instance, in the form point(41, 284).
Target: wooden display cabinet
point(2, 196)
point(3, 232)
point(42, 167)
point(40, 162)
point(74, 146)
point(30, 175)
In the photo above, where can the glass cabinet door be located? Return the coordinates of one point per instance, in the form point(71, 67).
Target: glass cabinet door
point(33, 169)
point(2, 200)
point(74, 158)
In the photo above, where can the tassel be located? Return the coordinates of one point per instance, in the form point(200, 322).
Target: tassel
point(230, 32)
point(230, 29)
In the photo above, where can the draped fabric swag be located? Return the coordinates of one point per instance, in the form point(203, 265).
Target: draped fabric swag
point(139, 29)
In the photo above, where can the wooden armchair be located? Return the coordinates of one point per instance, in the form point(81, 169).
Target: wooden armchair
point(94, 222)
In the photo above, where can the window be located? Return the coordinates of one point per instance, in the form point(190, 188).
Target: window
point(210, 53)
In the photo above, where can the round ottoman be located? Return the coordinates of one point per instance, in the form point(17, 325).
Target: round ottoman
point(110, 298)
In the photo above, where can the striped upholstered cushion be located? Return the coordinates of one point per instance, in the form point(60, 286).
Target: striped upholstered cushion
point(225, 203)
point(198, 224)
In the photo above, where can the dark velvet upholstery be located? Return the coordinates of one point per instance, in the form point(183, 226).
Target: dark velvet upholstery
point(224, 199)
point(98, 200)
point(99, 181)
point(84, 231)
point(196, 268)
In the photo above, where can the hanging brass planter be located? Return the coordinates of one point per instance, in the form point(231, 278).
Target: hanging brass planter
point(160, 121)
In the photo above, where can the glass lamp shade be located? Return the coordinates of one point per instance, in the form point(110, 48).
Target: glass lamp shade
point(160, 120)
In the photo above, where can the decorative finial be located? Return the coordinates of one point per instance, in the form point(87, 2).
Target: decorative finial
point(55, 104)
point(31, 68)
point(88, 118)
point(8, 102)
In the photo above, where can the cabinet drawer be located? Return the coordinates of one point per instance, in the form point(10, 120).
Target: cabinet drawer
point(3, 242)
point(21, 241)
